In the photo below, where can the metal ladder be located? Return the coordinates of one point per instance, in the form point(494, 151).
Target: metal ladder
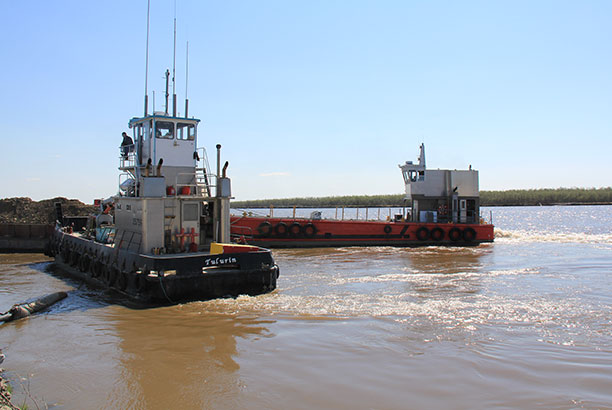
point(203, 174)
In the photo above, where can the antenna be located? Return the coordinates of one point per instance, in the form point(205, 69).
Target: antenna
point(174, 66)
point(167, 76)
point(146, 97)
point(187, 81)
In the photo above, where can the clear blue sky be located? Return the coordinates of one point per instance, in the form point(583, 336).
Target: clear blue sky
point(313, 98)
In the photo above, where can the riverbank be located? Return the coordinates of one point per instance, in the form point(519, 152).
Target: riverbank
point(5, 395)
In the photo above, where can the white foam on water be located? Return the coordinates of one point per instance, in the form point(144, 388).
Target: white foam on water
point(467, 314)
point(507, 272)
point(522, 236)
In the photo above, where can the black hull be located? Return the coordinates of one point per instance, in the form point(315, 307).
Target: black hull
point(164, 279)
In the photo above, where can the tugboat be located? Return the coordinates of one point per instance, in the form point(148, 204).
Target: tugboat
point(165, 237)
point(443, 208)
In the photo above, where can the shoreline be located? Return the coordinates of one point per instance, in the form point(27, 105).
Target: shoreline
point(5, 394)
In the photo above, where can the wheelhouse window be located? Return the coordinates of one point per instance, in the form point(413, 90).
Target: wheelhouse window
point(185, 131)
point(139, 132)
point(164, 129)
point(414, 176)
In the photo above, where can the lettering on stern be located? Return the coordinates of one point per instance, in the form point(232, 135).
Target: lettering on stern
point(220, 261)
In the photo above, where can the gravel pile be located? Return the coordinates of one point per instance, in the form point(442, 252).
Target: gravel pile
point(26, 211)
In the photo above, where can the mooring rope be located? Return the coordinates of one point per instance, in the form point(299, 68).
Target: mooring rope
point(164, 290)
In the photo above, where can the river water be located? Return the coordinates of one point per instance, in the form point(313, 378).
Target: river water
point(525, 322)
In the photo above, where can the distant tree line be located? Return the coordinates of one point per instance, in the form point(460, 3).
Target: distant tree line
point(577, 196)
point(325, 202)
point(515, 197)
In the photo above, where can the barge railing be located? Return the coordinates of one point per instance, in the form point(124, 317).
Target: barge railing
point(396, 214)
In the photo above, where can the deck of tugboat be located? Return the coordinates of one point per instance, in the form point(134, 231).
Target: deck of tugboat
point(178, 255)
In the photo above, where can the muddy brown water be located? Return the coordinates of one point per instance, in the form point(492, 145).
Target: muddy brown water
point(525, 323)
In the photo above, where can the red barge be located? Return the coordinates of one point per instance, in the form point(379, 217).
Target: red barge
point(442, 208)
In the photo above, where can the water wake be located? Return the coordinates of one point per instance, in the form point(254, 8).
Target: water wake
point(523, 236)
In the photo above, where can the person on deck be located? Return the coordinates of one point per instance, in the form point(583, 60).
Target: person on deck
point(127, 145)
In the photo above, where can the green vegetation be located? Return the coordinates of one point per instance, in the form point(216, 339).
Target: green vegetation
point(573, 196)
point(516, 197)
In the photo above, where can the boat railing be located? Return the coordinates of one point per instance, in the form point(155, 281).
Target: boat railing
point(483, 220)
point(127, 157)
point(127, 184)
point(352, 213)
point(341, 213)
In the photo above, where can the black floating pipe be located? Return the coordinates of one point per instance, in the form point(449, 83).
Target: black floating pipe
point(27, 309)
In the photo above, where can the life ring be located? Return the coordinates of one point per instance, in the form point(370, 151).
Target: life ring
point(454, 234)
point(387, 229)
point(281, 229)
point(295, 230)
point(443, 209)
point(437, 234)
point(422, 233)
point(264, 228)
point(469, 234)
point(309, 230)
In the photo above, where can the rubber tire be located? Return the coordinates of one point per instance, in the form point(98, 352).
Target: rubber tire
point(281, 229)
point(84, 263)
point(455, 234)
point(436, 234)
point(121, 281)
point(295, 230)
point(110, 275)
point(141, 283)
point(422, 233)
point(74, 258)
point(96, 269)
point(265, 228)
point(310, 230)
point(469, 234)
